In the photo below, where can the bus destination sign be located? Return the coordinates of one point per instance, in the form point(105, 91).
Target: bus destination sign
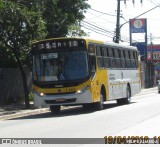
point(56, 44)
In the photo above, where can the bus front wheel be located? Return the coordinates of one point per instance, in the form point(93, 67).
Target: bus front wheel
point(99, 105)
point(55, 109)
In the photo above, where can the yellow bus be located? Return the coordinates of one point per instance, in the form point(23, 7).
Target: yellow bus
point(78, 71)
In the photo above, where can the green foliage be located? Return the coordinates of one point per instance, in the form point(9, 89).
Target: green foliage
point(22, 22)
point(61, 14)
point(19, 25)
point(75, 30)
point(31, 96)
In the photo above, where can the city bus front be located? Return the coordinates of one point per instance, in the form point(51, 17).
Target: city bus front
point(60, 73)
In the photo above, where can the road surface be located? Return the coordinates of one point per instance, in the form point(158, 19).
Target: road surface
point(141, 117)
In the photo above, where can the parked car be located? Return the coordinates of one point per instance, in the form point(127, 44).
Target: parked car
point(158, 86)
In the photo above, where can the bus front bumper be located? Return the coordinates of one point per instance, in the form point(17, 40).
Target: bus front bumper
point(62, 99)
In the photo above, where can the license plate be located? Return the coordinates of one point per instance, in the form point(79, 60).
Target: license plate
point(60, 100)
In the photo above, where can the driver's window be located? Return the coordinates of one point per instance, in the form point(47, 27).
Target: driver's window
point(92, 65)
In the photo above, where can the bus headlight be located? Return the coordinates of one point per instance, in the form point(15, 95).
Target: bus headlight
point(40, 93)
point(82, 90)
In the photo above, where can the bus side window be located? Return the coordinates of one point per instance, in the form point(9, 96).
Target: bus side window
point(99, 53)
point(123, 61)
point(117, 58)
point(127, 58)
point(132, 59)
point(120, 61)
point(103, 56)
point(136, 59)
point(108, 59)
point(112, 59)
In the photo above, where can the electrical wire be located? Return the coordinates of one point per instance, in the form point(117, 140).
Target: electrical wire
point(100, 30)
point(100, 18)
point(97, 26)
point(102, 12)
point(89, 28)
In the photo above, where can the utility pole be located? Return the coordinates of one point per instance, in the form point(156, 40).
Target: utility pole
point(118, 22)
point(118, 27)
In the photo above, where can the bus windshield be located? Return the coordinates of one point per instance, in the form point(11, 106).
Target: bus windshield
point(61, 66)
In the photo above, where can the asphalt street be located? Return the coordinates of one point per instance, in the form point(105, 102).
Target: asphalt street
point(141, 117)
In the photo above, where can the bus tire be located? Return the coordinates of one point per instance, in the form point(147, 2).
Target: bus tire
point(87, 106)
point(127, 100)
point(99, 105)
point(120, 101)
point(55, 109)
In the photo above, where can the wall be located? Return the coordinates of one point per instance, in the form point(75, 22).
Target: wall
point(11, 85)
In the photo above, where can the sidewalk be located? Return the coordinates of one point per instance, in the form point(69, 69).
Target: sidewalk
point(18, 110)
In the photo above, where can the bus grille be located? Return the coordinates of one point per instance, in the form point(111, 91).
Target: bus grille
point(60, 93)
point(56, 102)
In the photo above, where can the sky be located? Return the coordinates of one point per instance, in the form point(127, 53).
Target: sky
point(107, 22)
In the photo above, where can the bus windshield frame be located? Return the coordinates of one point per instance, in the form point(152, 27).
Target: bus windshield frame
point(63, 64)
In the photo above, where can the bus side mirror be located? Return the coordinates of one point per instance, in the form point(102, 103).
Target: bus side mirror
point(142, 58)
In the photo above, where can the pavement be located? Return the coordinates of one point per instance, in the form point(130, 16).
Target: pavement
point(18, 110)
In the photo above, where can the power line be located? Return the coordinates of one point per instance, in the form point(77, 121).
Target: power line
point(151, 1)
point(96, 31)
point(95, 16)
point(101, 30)
point(103, 12)
point(100, 18)
point(98, 27)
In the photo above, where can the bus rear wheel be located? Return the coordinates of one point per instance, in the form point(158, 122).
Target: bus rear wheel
point(120, 101)
point(127, 99)
point(55, 109)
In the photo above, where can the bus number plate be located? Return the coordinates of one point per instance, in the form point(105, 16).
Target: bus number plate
point(60, 100)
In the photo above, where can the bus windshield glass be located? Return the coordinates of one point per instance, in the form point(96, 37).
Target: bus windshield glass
point(60, 66)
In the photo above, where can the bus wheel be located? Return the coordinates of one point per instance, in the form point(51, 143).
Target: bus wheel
point(87, 106)
point(127, 100)
point(55, 109)
point(120, 101)
point(99, 105)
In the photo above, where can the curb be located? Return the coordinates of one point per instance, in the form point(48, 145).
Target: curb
point(23, 113)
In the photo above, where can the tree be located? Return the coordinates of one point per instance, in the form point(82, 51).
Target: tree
point(60, 15)
point(19, 25)
point(22, 21)
point(75, 30)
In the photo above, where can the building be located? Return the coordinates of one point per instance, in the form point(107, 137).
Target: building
point(154, 57)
